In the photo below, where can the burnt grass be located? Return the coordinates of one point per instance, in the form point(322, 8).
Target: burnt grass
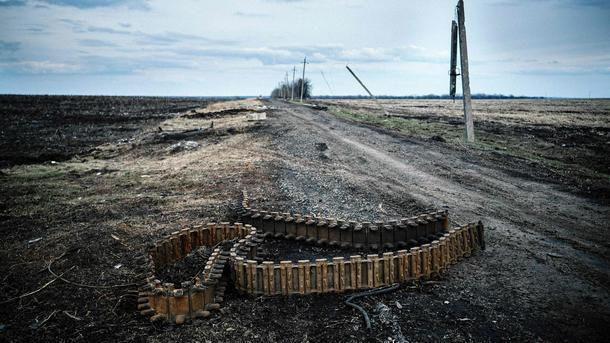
point(95, 242)
point(36, 129)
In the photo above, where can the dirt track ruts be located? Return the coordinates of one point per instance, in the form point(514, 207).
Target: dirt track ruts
point(543, 277)
point(546, 245)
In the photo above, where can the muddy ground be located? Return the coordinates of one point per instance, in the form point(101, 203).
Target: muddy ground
point(182, 162)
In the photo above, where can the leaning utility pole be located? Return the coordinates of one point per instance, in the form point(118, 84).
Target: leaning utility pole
point(303, 79)
point(294, 69)
point(367, 90)
point(469, 133)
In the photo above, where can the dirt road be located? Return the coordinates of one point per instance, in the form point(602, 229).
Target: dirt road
point(545, 272)
point(543, 277)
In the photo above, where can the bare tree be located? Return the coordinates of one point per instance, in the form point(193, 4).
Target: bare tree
point(287, 88)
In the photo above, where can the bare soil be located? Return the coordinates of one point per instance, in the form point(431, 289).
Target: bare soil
point(543, 277)
point(566, 142)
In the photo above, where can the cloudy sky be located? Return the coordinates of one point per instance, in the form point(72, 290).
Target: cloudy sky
point(244, 47)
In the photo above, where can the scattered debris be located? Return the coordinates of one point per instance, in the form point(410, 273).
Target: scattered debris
point(73, 316)
point(182, 146)
point(313, 106)
point(375, 291)
point(60, 277)
point(321, 146)
point(32, 241)
point(183, 135)
point(257, 116)
point(37, 325)
point(38, 290)
point(385, 314)
point(387, 318)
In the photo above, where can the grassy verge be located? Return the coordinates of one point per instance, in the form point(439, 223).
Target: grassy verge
point(411, 127)
point(504, 144)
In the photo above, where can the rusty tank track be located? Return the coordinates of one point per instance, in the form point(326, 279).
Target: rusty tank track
point(414, 248)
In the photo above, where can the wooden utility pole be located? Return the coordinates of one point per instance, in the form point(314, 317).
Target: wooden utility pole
point(286, 95)
point(469, 132)
point(294, 69)
point(303, 80)
point(453, 60)
point(367, 90)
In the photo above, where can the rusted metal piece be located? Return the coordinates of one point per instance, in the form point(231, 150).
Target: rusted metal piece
point(433, 248)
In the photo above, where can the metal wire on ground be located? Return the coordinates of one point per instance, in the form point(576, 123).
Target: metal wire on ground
point(376, 291)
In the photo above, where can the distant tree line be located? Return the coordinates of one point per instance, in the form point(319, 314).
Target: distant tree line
point(284, 90)
point(431, 96)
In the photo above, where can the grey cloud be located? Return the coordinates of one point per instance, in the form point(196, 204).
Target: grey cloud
point(96, 64)
point(77, 26)
point(266, 56)
point(110, 30)
point(603, 4)
point(11, 3)
point(8, 50)
point(22, 67)
point(121, 65)
point(580, 3)
point(90, 64)
point(86, 4)
point(144, 38)
point(36, 29)
point(250, 14)
point(82, 4)
point(96, 43)
point(567, 71)
point(169, 38)
point(9, 46)
point(319, 54)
